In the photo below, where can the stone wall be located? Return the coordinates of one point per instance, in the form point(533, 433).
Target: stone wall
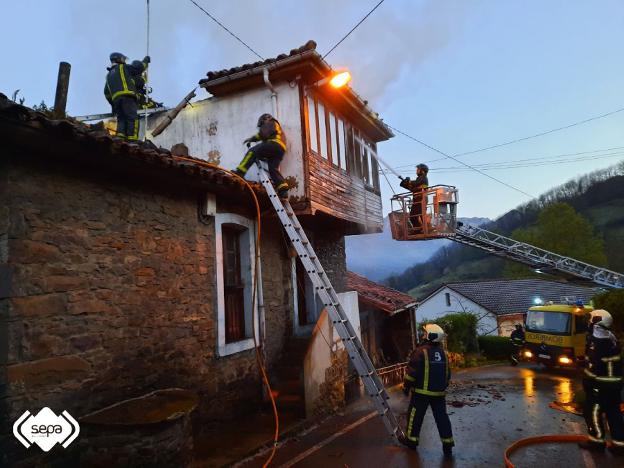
point(330, 248)
point(113, 295)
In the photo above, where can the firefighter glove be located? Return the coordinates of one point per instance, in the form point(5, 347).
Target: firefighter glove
point(147, 59)
point(248, 142)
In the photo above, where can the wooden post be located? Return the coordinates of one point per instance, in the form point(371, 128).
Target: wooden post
point(62, 86)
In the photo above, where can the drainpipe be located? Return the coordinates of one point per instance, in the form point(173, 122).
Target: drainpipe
point(265, 75)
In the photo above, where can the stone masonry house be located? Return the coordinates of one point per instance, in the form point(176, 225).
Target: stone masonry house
point(124, 269)
point(499, 304)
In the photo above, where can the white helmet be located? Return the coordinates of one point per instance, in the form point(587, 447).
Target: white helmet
point(601, 317)
point(433, 333)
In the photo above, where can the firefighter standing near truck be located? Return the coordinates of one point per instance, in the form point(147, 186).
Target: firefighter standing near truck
point(603, 385)
point(271, 148)
point(517, 341)
point(427, 377)
point(417, 187)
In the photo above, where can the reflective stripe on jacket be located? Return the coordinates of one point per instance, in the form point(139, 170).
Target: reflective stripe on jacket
point(121, 81)
point(271, 130)
point(428, 371)
point(603, 361)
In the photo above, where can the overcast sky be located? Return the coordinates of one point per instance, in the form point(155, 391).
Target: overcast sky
point(459, 75)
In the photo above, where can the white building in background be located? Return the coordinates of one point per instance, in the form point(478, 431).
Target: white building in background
point(500, 304)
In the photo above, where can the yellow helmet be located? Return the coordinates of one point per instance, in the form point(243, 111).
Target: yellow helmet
point(433, 333)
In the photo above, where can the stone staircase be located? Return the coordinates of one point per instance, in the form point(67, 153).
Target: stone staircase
point(288, 378)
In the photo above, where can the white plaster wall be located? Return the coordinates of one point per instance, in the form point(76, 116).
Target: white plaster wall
point(435, 307)
point(214, 129)
point(318, 355)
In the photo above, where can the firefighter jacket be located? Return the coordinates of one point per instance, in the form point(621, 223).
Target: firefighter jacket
point(421, 183)
point(271, 130)
point(428, 370)
point(517, 337)
point(122, 81)
point(603, 365)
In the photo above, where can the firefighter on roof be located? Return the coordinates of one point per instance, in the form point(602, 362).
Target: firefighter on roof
point(271, 149)
point(603, 385)
point(121, 92)
point(417, 187)
point(427, 377)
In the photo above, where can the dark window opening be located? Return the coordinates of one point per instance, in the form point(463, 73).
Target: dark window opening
point(234, 290)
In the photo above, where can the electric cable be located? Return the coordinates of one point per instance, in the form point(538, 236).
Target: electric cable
point(258, 238)
point(352, 29)
point(461, 162)
point(536, 135)
point(147, 32)
point(226, 29)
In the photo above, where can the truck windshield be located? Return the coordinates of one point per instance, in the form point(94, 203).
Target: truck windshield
point(548, 322)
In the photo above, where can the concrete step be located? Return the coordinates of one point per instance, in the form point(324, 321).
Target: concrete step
point(289, 372)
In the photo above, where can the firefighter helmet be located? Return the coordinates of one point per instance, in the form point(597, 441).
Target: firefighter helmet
point(264, 118)
point(424, 167)
point(433, 333)
point(117, 57)
point(601, 317)
point(518, 326)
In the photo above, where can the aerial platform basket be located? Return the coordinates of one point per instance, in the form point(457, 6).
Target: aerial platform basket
point(429, 214)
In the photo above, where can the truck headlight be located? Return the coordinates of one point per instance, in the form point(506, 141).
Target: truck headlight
point(565, 360)
point(528, 354)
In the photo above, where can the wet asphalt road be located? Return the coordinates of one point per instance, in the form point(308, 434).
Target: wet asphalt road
point(489, 407)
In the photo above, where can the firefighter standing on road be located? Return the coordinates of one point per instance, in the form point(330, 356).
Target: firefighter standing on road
point(417, 187)
point(427, 377)
point(517, 341)
point(271, 149)
point(121, 92)
point(603, 384)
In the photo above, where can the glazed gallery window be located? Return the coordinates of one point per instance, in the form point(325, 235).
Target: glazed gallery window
point(235, 253)
point(333, 138)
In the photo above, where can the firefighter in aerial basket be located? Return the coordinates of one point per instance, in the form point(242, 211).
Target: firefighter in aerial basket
point(418, 188)
point(427, 377)
point(603, 385)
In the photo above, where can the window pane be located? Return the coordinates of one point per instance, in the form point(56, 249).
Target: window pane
point(341, 144)
point(365, 165)
point(233, 287)
point(357, 154)
point(312, 124)
point(375, 170)
point(322, 130)
point(350, 149)
point(334, 140)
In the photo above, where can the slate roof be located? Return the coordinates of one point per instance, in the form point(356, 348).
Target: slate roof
point(515, 296)
point(380, 297)
point(22, 127)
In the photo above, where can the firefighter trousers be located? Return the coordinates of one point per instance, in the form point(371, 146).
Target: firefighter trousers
point(416, 414)
point(416, 211)
point(273, 154)
point(599, 401)
point(125, 108)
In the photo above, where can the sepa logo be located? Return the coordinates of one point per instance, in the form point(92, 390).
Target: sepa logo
point(46, 429)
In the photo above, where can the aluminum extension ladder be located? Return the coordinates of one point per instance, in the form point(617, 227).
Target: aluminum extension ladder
point(325, 291)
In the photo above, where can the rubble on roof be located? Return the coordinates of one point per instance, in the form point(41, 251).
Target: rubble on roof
point(380, 297)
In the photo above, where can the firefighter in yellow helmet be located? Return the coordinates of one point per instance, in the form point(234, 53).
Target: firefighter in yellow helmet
point(427, 377)
point(603, 384)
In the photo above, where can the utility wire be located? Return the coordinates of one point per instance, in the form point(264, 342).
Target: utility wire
point(229, 32)
point(461, 162)
point(547, 132)
point(352, 29)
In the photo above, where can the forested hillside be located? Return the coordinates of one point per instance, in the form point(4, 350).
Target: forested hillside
point(598, 197)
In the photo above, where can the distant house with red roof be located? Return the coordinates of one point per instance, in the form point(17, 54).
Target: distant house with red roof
point(386, 320)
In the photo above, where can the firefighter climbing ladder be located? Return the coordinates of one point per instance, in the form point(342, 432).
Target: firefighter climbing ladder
point(543, 260)
point(327, 294)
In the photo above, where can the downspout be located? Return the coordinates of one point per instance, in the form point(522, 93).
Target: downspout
point(265, 75)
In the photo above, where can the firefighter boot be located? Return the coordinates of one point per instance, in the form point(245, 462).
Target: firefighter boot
point(448, 450)
point(408, 443)
point(592, 446)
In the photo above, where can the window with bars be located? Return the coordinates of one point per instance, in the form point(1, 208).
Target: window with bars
point(333, 138)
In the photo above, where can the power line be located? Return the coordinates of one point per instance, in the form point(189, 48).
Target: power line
point(461, 162)
point(547, 132)
point(535, 160)
point(230, 32)
point(353, 29)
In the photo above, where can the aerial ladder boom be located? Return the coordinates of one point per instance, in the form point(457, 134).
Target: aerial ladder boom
point(436, 218)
